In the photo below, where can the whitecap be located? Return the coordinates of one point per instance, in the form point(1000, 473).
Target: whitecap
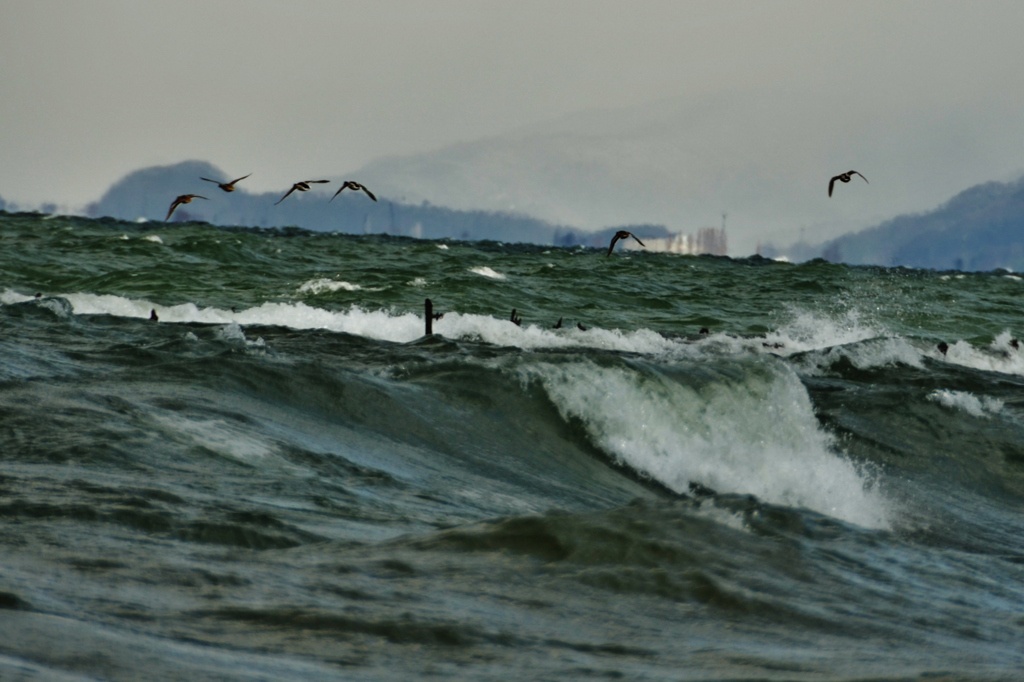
point(318, 286)
point(485, 271)
point(757, 435)
point(967, 402)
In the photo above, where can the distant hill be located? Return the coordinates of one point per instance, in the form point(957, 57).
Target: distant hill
point(982, 228)
point(147, 194)
point(762, 155)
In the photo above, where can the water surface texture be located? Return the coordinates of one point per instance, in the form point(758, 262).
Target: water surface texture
point(283, 478)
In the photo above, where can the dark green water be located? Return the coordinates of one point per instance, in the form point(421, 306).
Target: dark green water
point(282, 478)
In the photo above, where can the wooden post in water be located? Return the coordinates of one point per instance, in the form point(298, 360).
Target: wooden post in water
point(429, 308)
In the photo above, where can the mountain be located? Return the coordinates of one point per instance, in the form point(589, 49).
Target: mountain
point(981, 228)
point(148, 193)
point(762, 157)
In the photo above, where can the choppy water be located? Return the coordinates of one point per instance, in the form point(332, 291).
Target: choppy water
point(282, 478)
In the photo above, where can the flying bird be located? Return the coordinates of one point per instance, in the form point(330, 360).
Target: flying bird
point(349, 184)
point(227, 186)
point(300, 186)
point(843, 177)
point(622, 234)
point(183, 199)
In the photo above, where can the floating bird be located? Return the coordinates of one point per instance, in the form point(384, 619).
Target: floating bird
point(300, 186)
point(517, 321)
point(704, 330)
point(1015, 343)
point(558, 325)
point(227, 186)
point(622, 234)
point(579, 325)
point(153, 316)
point(843, 177)
point(183, 199)
point(943, 347)
point(349, 184)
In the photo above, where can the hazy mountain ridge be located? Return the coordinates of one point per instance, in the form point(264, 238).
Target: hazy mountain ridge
point(981, 228)
point(682, 163)
point(147, 193)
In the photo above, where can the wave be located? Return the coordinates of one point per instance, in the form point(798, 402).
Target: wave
point(742, 427)
point(965, 401)
point(999, 356)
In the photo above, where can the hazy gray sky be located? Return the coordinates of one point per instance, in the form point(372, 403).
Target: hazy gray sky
point(90, 90)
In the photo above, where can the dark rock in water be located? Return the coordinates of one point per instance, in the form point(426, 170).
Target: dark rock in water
point(1015, 344)
point(943, 347)
point(153, 316)
point(704, 330)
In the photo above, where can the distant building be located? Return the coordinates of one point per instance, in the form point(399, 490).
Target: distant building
point(707, 240)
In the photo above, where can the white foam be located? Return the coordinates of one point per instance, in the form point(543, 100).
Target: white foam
point(443, 247)
point(529, 337)
point(885, 352)
point(815, 331)
point(233, 332)
point(154, 238)
point(9, 297)
point(1000, 356)
point(757, 435)
point(485, 271)
point(967, 402)
point(318, 286)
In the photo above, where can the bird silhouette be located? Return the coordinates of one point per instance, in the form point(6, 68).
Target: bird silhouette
point(622, 234)
point(227, 186)
point(517, 321)
point(350, 184)
point(301, 187)
point(183, 199)
point(843, 177)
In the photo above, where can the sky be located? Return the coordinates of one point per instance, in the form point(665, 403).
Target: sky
point(90, 91)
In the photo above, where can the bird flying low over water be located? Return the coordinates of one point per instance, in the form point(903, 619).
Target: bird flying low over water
point(183, 199)
point(227, 186)
point(622, 234)
point(843, 177)
point(350, 184)
point(300, 186)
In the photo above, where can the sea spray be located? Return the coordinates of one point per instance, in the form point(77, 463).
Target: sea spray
point(746, 428)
